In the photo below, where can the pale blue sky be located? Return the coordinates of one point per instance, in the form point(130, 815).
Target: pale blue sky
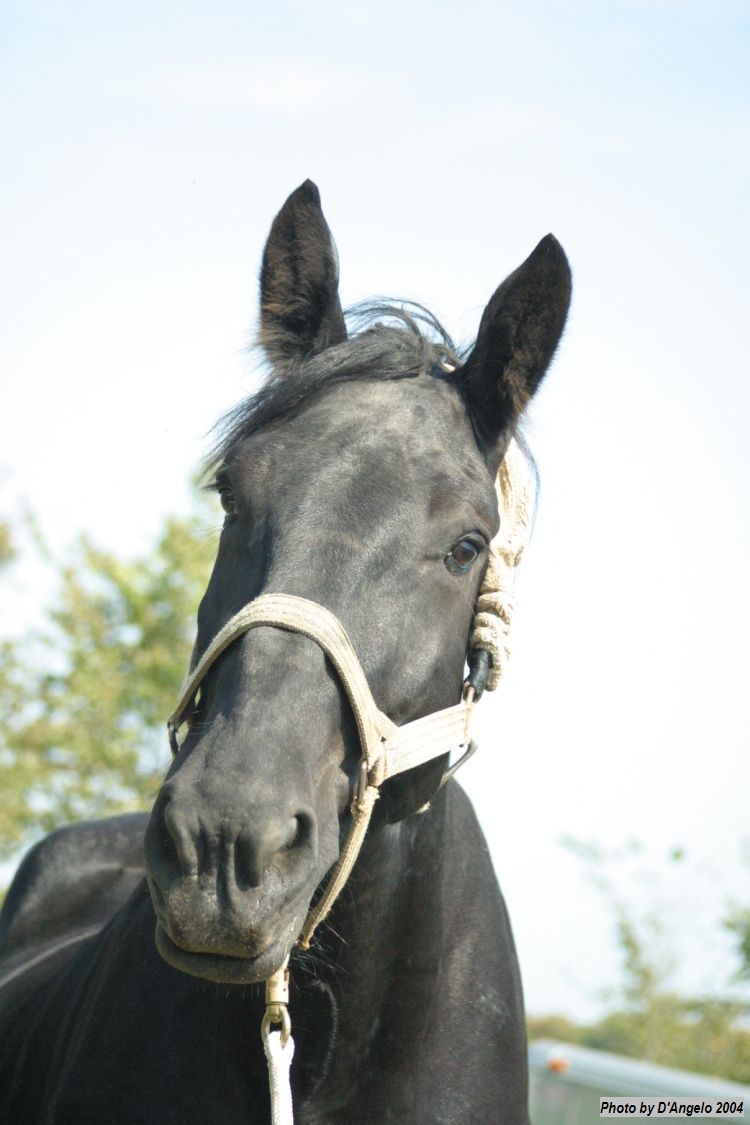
point(145, 150)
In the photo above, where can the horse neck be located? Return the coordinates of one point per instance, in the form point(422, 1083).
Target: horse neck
point(382, 950)
point(397, 872)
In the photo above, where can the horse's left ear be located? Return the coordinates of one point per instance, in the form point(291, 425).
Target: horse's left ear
point(518, 334)
point(300, 311)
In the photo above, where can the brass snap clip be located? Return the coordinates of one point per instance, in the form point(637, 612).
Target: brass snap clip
point(277, 1000)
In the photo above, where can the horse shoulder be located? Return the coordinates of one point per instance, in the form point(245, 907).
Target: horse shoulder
point(74, 879)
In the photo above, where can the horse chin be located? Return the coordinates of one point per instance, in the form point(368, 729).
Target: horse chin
point(222, 968)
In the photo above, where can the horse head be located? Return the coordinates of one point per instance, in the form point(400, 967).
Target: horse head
point(361, 478)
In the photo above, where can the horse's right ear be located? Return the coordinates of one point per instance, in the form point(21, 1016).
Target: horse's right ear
point(300, 311)
point(518, 334)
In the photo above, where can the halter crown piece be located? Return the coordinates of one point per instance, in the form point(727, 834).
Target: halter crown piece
point(386, 749)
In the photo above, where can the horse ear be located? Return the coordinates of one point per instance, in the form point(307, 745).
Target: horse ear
point(300, 312)
point(518, 334)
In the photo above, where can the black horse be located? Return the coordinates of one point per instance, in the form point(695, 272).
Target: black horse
point(360, 477)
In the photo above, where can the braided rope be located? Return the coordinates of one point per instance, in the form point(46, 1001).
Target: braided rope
point(495, 605)
point(279, 1057)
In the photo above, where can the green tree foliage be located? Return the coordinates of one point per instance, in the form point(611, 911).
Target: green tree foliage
point(738, 924)
point(83, 702)
point(6, 543)
point(703, 1034)
point(651, 1021)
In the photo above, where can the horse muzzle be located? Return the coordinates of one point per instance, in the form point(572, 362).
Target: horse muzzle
point(230, 879)
point(202, 905)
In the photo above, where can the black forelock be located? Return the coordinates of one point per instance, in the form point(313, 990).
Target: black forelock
point(386, 341)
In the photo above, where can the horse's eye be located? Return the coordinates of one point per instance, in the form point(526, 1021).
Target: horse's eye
point(462, 556)
point(226, 498)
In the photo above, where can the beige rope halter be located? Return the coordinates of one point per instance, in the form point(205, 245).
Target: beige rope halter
point(493, 614)
point(386, 749)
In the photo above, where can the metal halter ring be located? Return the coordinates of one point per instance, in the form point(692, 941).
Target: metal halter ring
point(277, 1014)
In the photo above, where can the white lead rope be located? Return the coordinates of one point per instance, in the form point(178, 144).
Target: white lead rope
point(279, 1045)
point(279, 1056)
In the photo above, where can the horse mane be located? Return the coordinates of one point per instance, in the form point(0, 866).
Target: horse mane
point(386, 341)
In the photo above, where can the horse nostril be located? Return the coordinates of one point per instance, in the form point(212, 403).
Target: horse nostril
point(265, 841)
point(184, 836)
point(304, 826)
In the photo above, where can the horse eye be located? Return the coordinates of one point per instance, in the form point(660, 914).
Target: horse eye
point(227, 500)
point(463, 555)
